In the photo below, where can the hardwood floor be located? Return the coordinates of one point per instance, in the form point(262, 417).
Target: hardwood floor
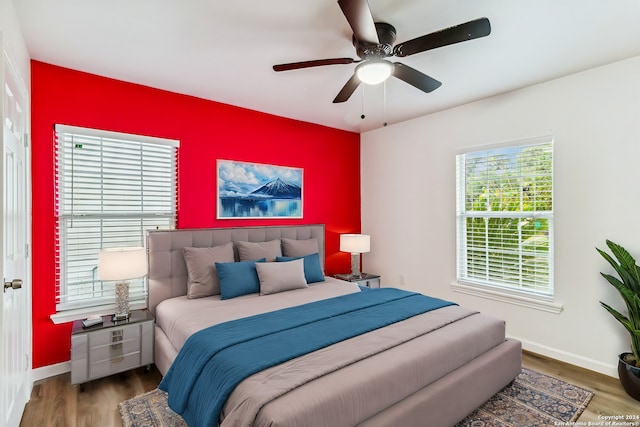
point(56, 403)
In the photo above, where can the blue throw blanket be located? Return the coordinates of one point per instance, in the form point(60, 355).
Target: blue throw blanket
point(214, 360)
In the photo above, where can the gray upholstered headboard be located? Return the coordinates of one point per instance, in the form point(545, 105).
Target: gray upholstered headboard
point(167, 275)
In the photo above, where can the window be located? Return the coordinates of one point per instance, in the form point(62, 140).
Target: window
point(111, 187)
point(505, 218)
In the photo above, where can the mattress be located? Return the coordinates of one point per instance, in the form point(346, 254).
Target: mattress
point(335, 386)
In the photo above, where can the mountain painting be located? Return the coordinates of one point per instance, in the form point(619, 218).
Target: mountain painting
point(254, 190)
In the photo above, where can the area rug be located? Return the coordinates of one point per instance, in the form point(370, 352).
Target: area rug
point(532, 399)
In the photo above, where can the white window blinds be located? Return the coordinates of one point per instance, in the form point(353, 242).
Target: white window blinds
point(111, 187)
point(505, 217)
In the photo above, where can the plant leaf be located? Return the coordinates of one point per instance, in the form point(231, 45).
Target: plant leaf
point(611, 261)
point(627, 264)
point(634, 311)
point(626, 293)
point(622, 255)
point(620, 318)
point(614, 281)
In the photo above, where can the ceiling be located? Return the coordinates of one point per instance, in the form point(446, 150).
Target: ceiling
point(224, 50)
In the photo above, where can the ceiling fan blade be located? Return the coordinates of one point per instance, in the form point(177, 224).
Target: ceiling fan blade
point(347, 90)
point(456, 34)
point(415, 78)
point(314, 63)
point(360, 19)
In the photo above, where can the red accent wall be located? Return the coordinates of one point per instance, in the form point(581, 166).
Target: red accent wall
point(207, 131)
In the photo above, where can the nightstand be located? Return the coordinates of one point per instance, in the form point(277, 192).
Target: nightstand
point(365, 279)
point(111, 347)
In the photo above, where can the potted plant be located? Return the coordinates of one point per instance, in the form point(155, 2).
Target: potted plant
point(628, 285)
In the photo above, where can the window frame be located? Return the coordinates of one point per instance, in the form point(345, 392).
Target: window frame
point(486, 288)
point(164, 214)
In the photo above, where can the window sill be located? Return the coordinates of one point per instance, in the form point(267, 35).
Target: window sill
point(529, 301)
point(83, 313)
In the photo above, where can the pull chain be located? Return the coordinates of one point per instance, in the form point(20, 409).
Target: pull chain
point(384, 103)
point(362, 116)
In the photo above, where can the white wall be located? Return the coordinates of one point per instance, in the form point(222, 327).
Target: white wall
point(408, 202)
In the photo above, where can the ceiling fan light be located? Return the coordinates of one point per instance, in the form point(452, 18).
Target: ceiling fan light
point(374, 72)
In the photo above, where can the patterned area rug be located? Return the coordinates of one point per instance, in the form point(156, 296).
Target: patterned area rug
point(532, 399)
point(149, 410)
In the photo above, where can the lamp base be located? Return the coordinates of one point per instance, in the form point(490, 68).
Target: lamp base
point(355, 265)
point(122, 302)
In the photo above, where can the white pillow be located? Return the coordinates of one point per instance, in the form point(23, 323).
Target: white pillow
point(281, 276)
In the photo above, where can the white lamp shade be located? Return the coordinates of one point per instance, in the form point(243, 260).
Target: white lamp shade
point(355, 243)
point(122, 263)
point(373, 72)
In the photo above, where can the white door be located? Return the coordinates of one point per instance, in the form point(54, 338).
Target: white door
point(15, 316)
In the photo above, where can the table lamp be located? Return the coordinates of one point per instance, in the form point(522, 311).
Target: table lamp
point(356, 244)
point(121, 265)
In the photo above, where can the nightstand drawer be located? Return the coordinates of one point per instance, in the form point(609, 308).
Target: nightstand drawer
point(369, 283)
point(114, 335)
point(114, 350)
point(113, 365)
point(365, 280)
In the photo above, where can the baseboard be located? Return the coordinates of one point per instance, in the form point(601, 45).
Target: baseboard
point(49, 371)
point(571, 358)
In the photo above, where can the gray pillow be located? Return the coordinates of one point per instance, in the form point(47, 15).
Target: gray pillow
point(201, 269)
point(281, 276)
point(295, 248)
point(248, 251)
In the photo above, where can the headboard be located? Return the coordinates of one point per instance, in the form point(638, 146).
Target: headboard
point(167, 275)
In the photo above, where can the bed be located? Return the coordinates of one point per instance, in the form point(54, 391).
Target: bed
point(429, 369)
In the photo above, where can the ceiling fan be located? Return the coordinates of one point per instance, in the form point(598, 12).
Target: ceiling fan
point(374, 42)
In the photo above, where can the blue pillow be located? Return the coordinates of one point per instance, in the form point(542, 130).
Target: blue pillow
point(238, 278)
point(312, 268)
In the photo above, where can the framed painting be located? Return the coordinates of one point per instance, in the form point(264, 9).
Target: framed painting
point(254, 190)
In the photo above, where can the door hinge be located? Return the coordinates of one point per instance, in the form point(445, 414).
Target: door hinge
point(26, 140)
point(26, 250)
